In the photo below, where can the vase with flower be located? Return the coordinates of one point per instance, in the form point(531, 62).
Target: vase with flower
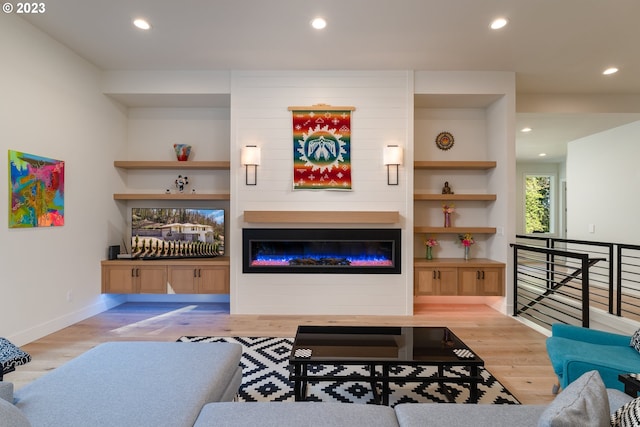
point(447, 210)
point(466, 240)
point(429, 244)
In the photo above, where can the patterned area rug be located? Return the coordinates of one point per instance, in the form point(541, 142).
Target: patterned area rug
point(265, 378)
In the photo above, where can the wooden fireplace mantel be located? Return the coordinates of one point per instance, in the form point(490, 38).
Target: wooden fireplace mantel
point(323, 217)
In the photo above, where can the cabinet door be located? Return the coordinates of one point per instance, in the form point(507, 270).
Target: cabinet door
point(183, 279)
point(448, 278)
point(118, 279)
point(468, 279)
point(425, 281)
point(213, 280)
point(152, 279)
point(435, 281)
point(491, 283)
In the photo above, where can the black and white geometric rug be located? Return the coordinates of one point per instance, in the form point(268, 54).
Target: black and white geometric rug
point(265, 378)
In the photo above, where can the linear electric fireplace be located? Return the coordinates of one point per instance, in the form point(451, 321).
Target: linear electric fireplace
point(321, 250)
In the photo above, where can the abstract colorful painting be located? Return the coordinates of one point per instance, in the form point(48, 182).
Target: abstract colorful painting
point(321, 148)
point(36, 189)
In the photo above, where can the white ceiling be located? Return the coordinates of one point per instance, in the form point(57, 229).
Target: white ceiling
point(554, 46)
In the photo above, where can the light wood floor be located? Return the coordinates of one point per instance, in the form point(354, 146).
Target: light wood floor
point(513, 352)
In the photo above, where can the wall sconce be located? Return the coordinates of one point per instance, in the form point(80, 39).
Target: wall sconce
point(250, 158)
point(392, 159)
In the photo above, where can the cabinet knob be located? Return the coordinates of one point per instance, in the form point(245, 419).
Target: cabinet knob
point(434, 274)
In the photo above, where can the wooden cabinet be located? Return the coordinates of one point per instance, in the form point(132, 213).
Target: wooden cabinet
point(210, 276)
point(199, 279)
point(480, 281)
point(134, 278)
point(453, 276)
point(435, 281)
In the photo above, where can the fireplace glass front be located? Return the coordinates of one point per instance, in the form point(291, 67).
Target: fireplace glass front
point(320, 250)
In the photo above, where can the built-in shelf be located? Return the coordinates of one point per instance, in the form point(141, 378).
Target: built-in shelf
point(455, 165)
point(188, 196)
point(454, 230)
point(323, 217)
point(146, 164)
point(452, 197)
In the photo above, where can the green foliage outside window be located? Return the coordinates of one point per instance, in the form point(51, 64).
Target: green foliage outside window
point(537, 204)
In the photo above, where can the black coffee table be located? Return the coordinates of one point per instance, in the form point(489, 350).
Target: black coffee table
point(378, 349)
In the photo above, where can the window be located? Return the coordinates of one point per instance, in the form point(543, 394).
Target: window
point(539, 191)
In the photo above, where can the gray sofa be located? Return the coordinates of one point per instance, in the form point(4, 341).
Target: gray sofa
point(584, 403)
point(128, 384)
point(138, 384)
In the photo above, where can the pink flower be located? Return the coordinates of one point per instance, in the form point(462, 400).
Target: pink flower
point(430, 242)
point(466, 239)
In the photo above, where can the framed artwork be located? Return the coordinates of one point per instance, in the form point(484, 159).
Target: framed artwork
point(36, 191)
point(321, 147)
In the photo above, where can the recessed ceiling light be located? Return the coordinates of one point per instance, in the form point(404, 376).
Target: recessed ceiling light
point(318, 23)
point(527, 129)
point(542, 154)
point(611, 70)
point(498, 23)
point(142, 24)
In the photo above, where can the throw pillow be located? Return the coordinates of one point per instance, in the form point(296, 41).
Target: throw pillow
point(628, 415)
point(11, 356)
point(10, 416)
point(635, 340)
point(583, 403)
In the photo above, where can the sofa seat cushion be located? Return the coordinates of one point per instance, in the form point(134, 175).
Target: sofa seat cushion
point(464, 415)
point(299, 414)
point(138, 384)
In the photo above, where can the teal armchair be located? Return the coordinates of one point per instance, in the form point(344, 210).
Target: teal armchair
point(574, 350)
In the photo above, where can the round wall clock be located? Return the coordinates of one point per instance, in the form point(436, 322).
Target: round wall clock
point(444, 140)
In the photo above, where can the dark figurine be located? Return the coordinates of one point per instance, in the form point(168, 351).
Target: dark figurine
point(446, 189)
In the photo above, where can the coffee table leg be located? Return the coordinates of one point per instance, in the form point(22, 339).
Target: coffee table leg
point(473, 398)
point(299, 385)
point(373, 383)
point(385, 385)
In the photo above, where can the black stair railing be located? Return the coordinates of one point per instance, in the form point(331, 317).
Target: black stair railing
point(548, 281)
point(543, 298)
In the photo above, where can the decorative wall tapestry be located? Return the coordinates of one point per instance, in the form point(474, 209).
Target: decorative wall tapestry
point(36, 189)
point(321, 147)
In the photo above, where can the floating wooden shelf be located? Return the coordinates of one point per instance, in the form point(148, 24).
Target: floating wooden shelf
point(454, 230)
point(323, 217)
point(455, 165)
point(145, 164)
point(448, 197)
point(189, 196)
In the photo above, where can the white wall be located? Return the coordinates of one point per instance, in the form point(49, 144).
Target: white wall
point(52, 105)
point(259, 115)
point(602, 182)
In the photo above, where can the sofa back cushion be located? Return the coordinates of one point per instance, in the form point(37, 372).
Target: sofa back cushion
point(10, 416)
point(583, 403)
point(6, 391)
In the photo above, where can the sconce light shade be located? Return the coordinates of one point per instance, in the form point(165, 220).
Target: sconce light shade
point(392, 159)
point(250, 158)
